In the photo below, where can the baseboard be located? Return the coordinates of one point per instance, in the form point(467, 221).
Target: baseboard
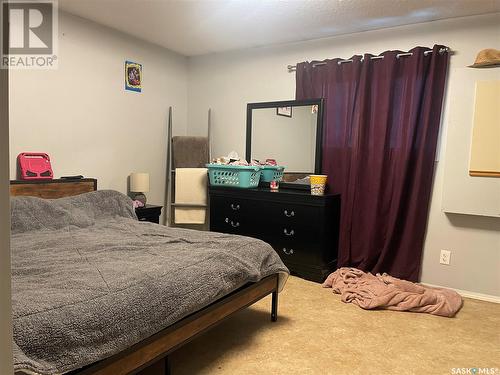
point(467, 294)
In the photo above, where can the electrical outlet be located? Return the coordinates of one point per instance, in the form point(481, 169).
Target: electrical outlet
point(444, 257)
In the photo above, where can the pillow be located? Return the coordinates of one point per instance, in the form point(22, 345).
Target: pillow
point(33, 213)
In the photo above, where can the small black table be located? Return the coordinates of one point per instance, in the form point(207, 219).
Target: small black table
point(149, 213)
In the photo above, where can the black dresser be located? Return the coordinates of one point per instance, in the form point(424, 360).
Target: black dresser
point(302, 228)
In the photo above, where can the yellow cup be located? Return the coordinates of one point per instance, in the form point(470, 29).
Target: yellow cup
point(318, 183)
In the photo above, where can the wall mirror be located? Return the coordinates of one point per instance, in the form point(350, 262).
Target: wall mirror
point(291, 133)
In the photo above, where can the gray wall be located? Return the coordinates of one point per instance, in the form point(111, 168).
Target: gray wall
point(227, 81)
point(81, 115)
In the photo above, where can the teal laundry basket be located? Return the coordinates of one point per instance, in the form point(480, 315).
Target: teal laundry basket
point(238, 176)
point(272, 173)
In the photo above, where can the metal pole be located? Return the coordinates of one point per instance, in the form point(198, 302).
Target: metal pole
point(168, 186)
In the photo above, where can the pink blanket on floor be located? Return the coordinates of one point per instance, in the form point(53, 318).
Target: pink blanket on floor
point(387, 292)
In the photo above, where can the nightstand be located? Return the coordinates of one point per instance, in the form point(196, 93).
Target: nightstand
point(149, 213)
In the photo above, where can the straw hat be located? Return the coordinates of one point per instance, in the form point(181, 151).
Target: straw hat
point(487, 58)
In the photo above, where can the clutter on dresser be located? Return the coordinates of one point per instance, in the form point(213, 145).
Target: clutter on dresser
point(233, 171)
point(274, 185)
point(318, 184)
point(231, 175)
point(34, 166)
point(139, 184)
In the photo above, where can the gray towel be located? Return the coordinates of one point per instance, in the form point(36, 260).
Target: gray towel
point(189, 152)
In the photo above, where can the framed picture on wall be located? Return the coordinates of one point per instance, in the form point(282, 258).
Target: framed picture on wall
point(284, 111)
point(133, 76)
point(485, 146)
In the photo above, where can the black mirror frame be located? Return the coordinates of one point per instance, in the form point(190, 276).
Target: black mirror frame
point(290, 103)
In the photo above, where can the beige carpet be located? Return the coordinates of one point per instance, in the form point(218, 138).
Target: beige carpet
point(318, 334)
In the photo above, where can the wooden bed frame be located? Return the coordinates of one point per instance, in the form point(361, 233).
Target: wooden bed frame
point(150, 356)
point(51, 189)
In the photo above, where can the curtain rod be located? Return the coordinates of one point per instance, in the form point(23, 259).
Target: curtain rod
point(293, 68)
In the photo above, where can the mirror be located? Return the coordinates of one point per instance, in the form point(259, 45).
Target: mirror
point(289, 132)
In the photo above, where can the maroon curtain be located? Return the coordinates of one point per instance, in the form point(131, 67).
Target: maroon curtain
point(381, 126)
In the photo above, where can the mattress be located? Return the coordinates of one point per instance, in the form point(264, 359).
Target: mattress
point(89, 280)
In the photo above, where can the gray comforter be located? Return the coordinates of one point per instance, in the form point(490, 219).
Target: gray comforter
point(89, 280)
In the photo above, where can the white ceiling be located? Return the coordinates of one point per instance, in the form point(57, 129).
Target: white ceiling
point(199, 27)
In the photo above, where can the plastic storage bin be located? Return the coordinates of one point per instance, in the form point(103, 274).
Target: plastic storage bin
point(272, 173)
point(238, 176)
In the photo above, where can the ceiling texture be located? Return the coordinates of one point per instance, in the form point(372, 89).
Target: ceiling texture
point(198, 27)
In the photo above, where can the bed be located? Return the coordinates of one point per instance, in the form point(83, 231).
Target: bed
point(97, 292)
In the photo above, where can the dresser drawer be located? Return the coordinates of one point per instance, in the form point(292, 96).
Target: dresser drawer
point(229, 224)
point(294, 216)
point(231, 206)
point(293, 232)
point(295, 252)
point(293, 222)
point(230, 215)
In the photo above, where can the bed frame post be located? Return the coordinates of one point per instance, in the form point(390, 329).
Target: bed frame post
point(167, 365)
point(274, 302)
point(274, 307)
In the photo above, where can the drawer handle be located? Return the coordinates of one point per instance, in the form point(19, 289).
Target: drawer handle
point(292, 213)
point(288, 252)
point(142, 219)
point(233, 224)
point(235, 207)
point(287, 233)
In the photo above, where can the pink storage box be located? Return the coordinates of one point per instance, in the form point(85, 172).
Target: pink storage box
point(34, 166)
